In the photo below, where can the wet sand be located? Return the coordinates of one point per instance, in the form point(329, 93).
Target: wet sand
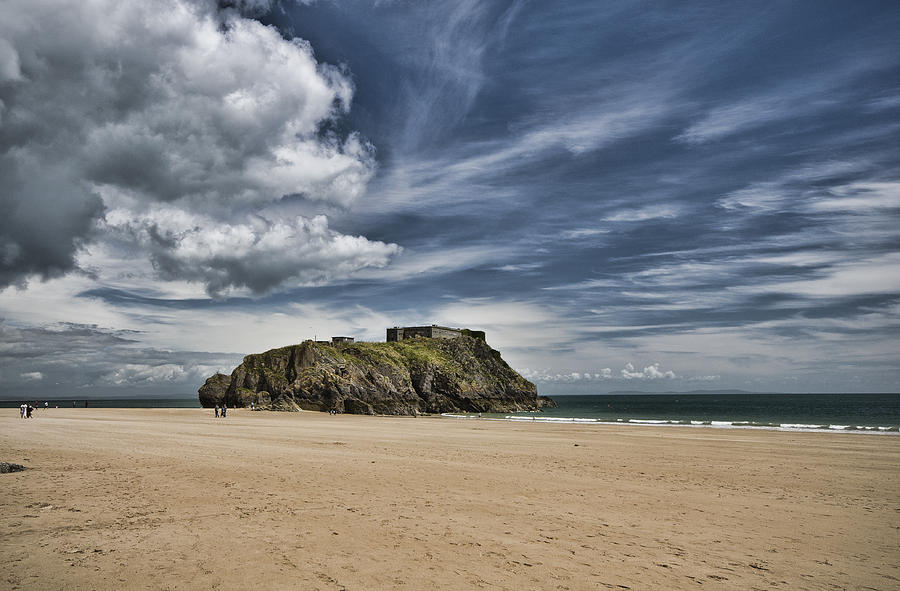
point(176, 499)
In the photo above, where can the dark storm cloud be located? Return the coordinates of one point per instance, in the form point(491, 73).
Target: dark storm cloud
point(40, 232)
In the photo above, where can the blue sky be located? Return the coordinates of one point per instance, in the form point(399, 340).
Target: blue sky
point(623, 195)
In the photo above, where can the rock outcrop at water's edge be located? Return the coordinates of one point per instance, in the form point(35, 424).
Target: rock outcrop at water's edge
point(407, 377)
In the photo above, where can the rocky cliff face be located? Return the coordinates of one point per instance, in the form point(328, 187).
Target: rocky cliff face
point(401, 378)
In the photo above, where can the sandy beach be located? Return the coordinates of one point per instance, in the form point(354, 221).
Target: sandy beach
point(176, 499)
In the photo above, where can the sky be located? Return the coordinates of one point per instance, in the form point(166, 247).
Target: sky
point(625, 195)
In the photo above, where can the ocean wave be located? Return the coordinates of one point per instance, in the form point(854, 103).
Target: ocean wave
point(804, 427)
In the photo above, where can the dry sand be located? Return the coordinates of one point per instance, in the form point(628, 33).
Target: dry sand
point(175, 499)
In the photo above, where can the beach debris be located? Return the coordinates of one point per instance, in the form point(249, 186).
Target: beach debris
point(39, 506)
point(7, 467)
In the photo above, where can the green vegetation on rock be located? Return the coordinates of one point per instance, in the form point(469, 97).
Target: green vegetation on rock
point(406, 377)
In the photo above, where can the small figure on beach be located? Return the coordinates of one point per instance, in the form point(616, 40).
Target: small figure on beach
point(28, 410)
point(73, 404)
point(217, 411)
point(251, 406)
point(22, 408)
point(224, 409)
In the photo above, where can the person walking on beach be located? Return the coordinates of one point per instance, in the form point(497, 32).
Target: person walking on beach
point(28, 410)
point(217, 411)
point(224, 408)
point(22, 408)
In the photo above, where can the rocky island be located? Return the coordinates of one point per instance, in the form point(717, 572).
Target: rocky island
point(404, 376)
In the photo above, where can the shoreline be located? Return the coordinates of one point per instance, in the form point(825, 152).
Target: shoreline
point(869, 413)
point(171, 498)
point(537, 417)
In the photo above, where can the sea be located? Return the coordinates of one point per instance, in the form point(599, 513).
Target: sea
point(105, 403)
point(847, 413)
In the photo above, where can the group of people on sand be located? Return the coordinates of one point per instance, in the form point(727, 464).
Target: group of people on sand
point(25, 411)
point(220, 412)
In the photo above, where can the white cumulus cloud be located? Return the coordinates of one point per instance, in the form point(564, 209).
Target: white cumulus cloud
point(545, 375)
point(139, 373)
point(651, 372)
point(123, 105)
point(253, 252)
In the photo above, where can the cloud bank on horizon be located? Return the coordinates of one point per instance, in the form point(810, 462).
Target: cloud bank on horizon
point(667, 195)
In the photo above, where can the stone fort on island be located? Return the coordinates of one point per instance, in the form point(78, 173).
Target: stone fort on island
point(399, 333)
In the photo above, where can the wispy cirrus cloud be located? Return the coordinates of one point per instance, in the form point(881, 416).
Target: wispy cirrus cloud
point(791, 100)
point(666, 210)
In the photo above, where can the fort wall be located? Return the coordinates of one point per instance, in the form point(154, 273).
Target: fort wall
point(434, 331)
